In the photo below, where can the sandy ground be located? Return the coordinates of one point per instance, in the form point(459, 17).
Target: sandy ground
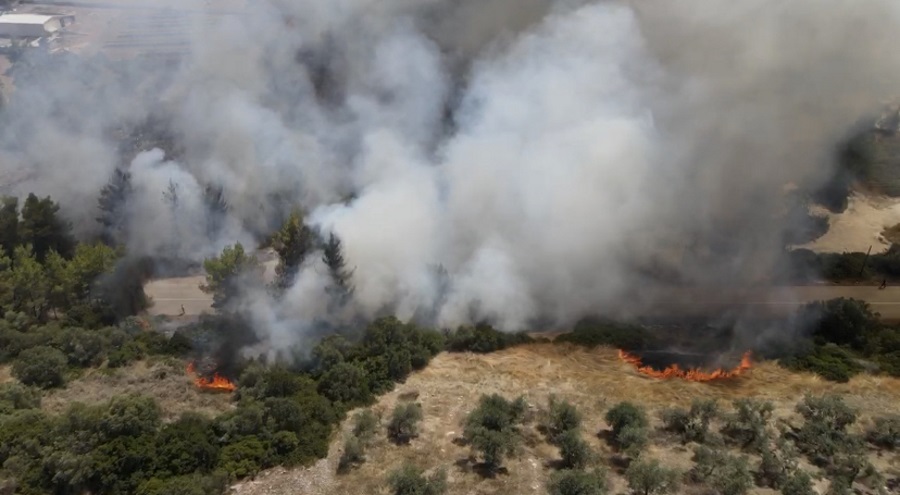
point(859, 226)
point(593, 380)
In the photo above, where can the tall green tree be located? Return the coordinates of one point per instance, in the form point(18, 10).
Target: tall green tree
point(292, 243)
point(30, 285)
point(216, 209)
point(228, 273)
point(45, 229)
point(113, 206)
point(333, 258)
point(9, 225)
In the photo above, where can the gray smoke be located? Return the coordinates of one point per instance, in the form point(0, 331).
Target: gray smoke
point(554, 159)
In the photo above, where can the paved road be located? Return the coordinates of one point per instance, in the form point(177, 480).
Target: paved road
point(775, 300)
point(169, 294)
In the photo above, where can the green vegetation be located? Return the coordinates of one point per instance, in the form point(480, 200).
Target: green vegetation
point(483, 338)
point(593, 333)
point(748, 425)
point(841, 332)
point(411, 480)
point(724, 473)
point(629, 427)
point(573, 482)
point(228, 273)
point(492, 429)
point(404, 423)
point(649, 477)
point(561, 417)
point(691, 425)
point(885, 433)
point(292, 243)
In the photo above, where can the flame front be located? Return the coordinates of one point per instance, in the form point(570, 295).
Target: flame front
point(217, 382)
point(694, 375)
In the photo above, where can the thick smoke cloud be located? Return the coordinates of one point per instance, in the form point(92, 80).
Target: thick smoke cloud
point(526, 162)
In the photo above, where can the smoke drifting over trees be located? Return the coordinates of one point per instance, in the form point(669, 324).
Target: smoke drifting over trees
point(552, 158)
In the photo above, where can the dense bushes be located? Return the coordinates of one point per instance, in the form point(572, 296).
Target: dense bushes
point(593, 333)
point(41, 366)
point(482, 338)
point(839, 332)
point(492, 429)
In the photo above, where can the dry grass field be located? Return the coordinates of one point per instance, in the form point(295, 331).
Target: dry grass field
point(593, 380)
point(162, 379)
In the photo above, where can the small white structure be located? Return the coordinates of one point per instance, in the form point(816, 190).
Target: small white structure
point(32, 25)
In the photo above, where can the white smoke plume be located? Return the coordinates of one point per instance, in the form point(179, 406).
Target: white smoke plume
point(551, 158)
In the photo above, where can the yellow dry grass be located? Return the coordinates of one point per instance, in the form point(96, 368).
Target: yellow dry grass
point(161, 379)
point(6, 374)
point(593, 380)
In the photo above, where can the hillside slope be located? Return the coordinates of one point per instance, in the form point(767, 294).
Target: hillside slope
point(593, 380)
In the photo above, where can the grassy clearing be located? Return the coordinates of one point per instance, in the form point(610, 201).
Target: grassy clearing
point(593, 380)
point(163, 379)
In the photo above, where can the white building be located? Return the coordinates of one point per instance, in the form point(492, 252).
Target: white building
point(32, 25)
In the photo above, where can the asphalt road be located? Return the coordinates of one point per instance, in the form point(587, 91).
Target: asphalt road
point(169, 295)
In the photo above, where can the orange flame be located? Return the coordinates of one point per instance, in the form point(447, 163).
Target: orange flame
point(694, 375)
point(217, 382)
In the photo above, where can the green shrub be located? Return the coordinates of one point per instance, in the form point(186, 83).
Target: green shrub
point(352, 454)
point(365, 425)
point(185, 446)
point(777, 463)
point(691, 425)
point(593, 333)
point(748, 425)
point(346, 383)
point(15, 396)
point(885, 433)
point(193, 484)
point(798, 483)
point(632, 440)
point(828, 361)
point(82, 348)
point(492, 428)
point(627, 421)
point(243, 458)
point(562, 417)
point(648, 477)
point(130, 415)
point(410, 480)
point(40, 366)
point(824, 430)
point(727, 474)
point(404, 423)
point(574, 451)
point(127, 354)
point(483, 338)
point(574, 482)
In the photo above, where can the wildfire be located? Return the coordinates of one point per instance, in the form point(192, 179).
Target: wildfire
point(216, 383)
point(694, 375)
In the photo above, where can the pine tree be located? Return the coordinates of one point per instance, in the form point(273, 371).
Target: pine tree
point(292, 243)
point(217, 208)
point(337, 267)
point(113, 205)
point(44, 229)
point(9, 225)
